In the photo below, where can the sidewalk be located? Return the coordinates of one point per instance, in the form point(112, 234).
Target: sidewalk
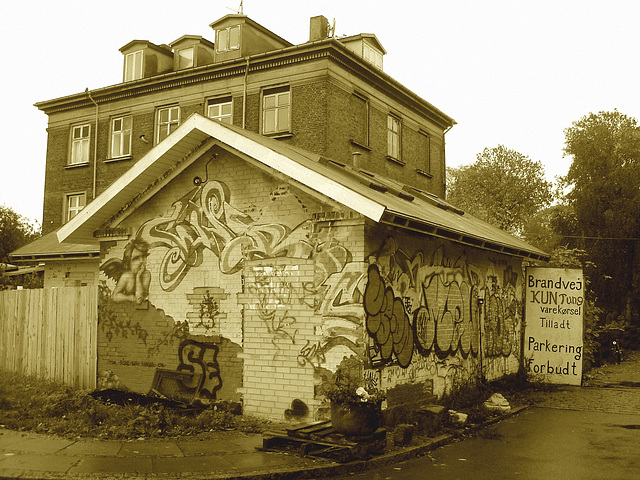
point(231, 455)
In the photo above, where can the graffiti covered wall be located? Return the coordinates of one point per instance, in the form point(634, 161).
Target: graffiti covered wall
point(236, 286)
point(228, 280)
point(438, 313)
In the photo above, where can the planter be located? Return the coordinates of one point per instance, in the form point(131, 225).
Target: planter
point(356, 419)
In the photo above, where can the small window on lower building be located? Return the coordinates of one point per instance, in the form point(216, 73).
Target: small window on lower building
point(74, 203)
point(121, 137)
point(276, 110)
point(393, 137)
point(167, 121)
point(221, 109)
point(79, 144)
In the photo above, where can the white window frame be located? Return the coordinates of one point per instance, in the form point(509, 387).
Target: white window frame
point(371, 55)
point(133, 66)
point(172, 122)
point(80, 141)
point(224, 42)
point(191, 59)
point(215, 107)
point(281, 97)
point(121, 136)
point(74, 202)
point(394, 137)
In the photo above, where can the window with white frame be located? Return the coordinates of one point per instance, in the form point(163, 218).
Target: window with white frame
point(80, 144)
point(121, 136)
point(185, 58)
point(228, 39)
point(276, 110)
point(372, 56)
point(221, 109)
point(393, 137)
point(133, 66)
point(74, 203)
point(168, 119)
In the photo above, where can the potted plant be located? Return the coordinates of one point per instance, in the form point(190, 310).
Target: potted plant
point(356, 405)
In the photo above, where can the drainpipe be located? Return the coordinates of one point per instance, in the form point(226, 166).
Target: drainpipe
point(481, 299)
point(244, 94)
point(95, 147)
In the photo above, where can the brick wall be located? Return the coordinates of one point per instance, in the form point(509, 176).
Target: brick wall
point(321, 123)
point(277, 321)
point(445, 335)
point(71, 274)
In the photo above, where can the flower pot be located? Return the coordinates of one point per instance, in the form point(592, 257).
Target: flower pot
point(355, 419)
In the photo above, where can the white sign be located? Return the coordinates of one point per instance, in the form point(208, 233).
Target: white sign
point(554, 309)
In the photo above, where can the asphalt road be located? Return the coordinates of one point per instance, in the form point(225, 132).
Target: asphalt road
point(582, 433)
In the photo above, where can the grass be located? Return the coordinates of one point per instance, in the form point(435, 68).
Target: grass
point(29, 404)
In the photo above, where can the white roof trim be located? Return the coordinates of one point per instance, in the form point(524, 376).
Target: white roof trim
point(80, 228)
point(294, 170)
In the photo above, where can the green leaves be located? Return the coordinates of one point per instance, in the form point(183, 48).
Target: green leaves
point(503, 187)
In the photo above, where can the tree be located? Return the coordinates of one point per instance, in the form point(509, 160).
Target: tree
point(502, 187)
point(15, 231)
point(604, 182)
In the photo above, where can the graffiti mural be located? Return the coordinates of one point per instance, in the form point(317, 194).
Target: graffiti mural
point(130, 274)
point(431, 304)
point(386, 320)
point(201, 359)
point(204, 219)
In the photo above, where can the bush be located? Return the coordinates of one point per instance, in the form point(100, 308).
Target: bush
point(29, 404)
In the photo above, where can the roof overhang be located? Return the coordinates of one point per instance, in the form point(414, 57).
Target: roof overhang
point(48, 248)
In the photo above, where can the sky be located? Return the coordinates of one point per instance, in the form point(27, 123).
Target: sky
point(513, 72)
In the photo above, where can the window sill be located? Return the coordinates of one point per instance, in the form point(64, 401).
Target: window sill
point(396, 161)
point(355, 143)
point(424, 173)
point(76, 165)
point(278, 135)
point(117, 159)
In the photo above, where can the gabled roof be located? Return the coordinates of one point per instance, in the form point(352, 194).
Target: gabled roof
point(373, 196)
point(370, 36)
point(237, 19)
point(146, 43)
point(191, 39)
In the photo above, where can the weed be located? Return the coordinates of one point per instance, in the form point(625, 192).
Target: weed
point(29, 404)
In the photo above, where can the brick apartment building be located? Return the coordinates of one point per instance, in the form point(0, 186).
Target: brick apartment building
point(256, 211)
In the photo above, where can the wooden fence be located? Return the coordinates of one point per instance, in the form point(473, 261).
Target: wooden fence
point(50, 334)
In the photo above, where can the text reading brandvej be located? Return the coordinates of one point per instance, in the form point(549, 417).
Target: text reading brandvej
point(556, 303)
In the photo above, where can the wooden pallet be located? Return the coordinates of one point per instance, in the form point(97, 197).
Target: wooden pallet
point(319, 439)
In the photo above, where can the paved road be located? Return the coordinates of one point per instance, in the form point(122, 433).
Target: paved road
point(582, 433)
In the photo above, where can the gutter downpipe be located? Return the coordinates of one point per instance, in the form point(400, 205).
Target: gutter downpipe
point(95, 147)
point(244, 95)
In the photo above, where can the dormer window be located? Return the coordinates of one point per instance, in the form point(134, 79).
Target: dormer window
point(372, 56)
point(185, 58)
point(133, 66)
point(228, 39)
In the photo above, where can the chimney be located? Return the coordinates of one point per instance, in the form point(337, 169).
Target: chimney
point(318, 28)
